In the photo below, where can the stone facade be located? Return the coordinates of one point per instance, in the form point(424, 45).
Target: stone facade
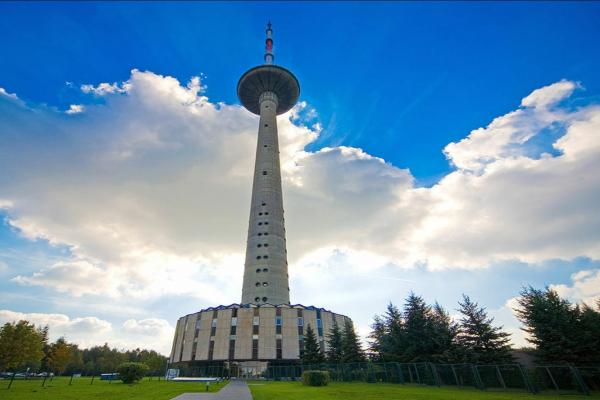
point(250, 332)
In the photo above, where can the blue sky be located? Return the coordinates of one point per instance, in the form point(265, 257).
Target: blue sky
point(397, 80)
point(400, 80)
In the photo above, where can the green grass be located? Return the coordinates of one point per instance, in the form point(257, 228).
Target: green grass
point(381, 391)
point(81, 389)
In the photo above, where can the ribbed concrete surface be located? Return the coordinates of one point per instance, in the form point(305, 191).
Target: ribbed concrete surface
point(235, 390)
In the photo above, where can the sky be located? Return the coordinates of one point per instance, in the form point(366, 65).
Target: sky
point(438, 147)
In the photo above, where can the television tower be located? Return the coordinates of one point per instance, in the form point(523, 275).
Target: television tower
point(267, 90)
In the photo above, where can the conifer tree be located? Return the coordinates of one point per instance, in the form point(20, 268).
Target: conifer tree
point(312, 351)
point(377, 338)
point(560, 331)
point(444, 332)
point(387, 337)
point(351, 348)
point(417, 328)
point(480, 341)
point(334, 344)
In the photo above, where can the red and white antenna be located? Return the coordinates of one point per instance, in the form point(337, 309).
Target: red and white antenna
point(269, 57)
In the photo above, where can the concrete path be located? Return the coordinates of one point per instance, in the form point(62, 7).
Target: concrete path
point(235, 390)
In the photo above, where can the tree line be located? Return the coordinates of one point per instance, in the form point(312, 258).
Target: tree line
point(559, 331)
point(343, 346)
point(26, 346)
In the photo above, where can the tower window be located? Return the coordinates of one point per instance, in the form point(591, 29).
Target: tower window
point(266, 213)
point(257, 299)
point(260, 223)
point(266, 223)
point(257, 284)
point(266, 125)
point(264, 172)
point(266, 233)
point(264, 204)
point(264, 299)
point(258, 257)
point(264, 145)
point(265, 256)
point(266, 245)
point(255, 349)
point(265, 284)
point(259, 234)
point(259, 245)
point(259, 213)
point(257, 270)
point(265, 269)
point(231, 349)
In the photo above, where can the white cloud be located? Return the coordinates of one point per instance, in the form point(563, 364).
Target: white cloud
point(75, 109)
point(104, 88)
point(11, 96)
point(150, 192)
point(150, 326)
point(60, 324)
point(149, 333)
point(504, 138)
point(550, 95)
point(585, 287)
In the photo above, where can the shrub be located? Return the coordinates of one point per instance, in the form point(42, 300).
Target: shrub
point(315, 378)
point(131, 372)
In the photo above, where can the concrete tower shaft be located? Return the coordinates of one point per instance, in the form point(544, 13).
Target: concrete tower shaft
point(266, 272)
point(267, 90)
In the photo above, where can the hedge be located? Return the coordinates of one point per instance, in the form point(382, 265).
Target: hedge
point(315, 378)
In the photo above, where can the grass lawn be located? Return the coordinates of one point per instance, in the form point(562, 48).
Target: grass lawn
point(381, 391)
point(81, 389)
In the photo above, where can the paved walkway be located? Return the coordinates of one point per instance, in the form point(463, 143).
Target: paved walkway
point(235, 390)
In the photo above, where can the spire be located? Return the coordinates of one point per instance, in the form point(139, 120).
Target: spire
point(269, 57)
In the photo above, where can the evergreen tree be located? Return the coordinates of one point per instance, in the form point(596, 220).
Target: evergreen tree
point(334, 344)
point(588, 338)
point(377, 337)
point(480, 340)
point(387, 338)
point(351, 348)
point(418, 345)
point(312, 351)
point(560, 331)
point(444, 333)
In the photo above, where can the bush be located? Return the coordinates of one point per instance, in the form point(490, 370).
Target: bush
point(131, 372)
point(315, 378)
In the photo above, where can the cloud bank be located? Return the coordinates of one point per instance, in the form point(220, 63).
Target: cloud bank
point(149, 188)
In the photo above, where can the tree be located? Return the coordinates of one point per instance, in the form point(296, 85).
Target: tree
point(351, 348)
point(444, 333)
point(388, 335)
point(312, 352)
point(480, 341)
point(21, 345)
point(560, 331)
point(377, 337)
point(588, 347)
point(131, 372)
point(417, 330)
point(59, 356)
point(155, 362)
point(334, 344)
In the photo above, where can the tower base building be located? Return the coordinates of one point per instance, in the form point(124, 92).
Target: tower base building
point(265, 328)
